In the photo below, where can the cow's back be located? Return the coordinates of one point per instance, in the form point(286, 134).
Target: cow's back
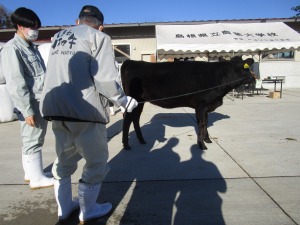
point(171, 84)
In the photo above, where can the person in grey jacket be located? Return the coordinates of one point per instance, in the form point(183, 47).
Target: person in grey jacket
point(24, 72)
point(80, 82)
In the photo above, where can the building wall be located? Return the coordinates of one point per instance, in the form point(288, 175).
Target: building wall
point(140, 48)
point(289, 69)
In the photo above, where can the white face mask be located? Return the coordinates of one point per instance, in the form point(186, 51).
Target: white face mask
point(31, 35)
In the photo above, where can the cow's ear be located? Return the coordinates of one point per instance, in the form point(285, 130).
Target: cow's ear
point(246, 66)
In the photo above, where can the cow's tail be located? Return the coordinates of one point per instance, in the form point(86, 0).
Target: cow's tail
point(123, 75)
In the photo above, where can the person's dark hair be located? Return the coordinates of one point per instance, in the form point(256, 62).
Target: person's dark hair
point(25, 17)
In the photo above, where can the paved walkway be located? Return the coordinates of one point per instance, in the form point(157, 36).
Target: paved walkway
point(250, 174)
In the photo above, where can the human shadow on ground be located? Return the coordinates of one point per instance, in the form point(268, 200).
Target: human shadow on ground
point(156, 187)
point(114, 129)
point(160, 188)
point(151, 185)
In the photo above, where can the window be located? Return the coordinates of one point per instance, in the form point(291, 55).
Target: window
point(122, 52)
point(279, 56)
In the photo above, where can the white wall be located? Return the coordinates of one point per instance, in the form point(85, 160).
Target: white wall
point(289, 69)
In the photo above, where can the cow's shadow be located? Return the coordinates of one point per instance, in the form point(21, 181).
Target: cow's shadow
point(157, 187)
point(155, 129)
point(214, 117)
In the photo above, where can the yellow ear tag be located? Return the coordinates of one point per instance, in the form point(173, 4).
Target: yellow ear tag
point(246, 66)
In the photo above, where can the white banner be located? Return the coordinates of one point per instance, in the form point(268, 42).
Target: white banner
point(226, 37)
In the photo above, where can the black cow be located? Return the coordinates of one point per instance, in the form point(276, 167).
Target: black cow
point(199, 85)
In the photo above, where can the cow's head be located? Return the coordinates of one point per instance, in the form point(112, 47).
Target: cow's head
point(242, 67)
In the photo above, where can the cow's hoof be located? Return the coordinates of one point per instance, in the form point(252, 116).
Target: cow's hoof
point(207, 140)
point(202, 146)
point(142, 142)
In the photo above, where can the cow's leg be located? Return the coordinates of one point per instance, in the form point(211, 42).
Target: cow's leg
point(200, 116)
point(210, 108)
point(134, 117)
point(206, 135)
point(127, 120)
point(136, 123)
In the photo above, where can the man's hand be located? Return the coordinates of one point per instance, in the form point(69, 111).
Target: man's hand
point(30, 120)
point(129, 104)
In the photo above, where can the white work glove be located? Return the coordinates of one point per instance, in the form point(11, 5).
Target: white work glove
point(129, 104)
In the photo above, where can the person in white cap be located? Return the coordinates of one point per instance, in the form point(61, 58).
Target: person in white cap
point(24, 72)
point(80, 82)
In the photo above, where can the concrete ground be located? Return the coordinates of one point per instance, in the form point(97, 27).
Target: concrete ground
point(250, 174)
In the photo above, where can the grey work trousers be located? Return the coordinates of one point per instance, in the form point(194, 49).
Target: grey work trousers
point(77, 140)
point(33, 137)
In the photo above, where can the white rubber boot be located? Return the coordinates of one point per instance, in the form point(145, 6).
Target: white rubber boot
point(26, 177)
point(89, 208)
point(63, 196)
point(34, 169)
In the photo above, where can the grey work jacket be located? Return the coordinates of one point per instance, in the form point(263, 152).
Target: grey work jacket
point(24, 72)
point(81, 77)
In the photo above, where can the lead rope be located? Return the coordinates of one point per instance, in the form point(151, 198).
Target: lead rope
point(177, 96)
point(191, 93)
